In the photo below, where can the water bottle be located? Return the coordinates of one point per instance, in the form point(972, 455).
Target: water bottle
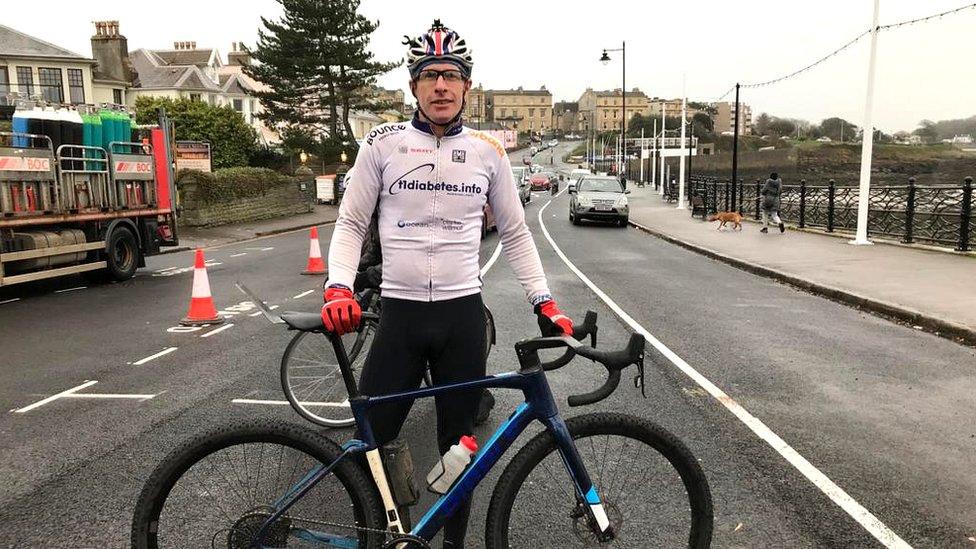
point(451, 465)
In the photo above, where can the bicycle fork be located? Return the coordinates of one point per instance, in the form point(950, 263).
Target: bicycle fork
point(585, 490)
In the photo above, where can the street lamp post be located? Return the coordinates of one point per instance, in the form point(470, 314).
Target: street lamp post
point(605, 59)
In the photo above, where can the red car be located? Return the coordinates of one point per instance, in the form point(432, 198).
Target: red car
point(540, 182)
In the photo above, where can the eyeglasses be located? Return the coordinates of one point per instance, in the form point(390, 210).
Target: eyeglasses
point(450, 75)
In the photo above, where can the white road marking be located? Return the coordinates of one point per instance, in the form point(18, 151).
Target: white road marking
point(864, 517)
point(4, 302)
point(52, 398)
point(164, 352)
point(492, 259)
point(218, 330)
point(255, 314)
point(184, 329)
point(110, 396)
point(70, 289)
point(238, 255)
point(267, 249)
point(303, 294)
point(343, 404)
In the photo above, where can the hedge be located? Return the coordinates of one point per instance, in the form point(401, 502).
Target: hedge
point(231, 182)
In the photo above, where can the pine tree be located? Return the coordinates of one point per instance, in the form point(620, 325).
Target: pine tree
point(318, 68)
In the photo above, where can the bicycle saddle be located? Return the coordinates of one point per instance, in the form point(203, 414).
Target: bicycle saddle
point(305, 322)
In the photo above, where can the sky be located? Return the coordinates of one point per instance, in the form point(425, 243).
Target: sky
point(924, 71)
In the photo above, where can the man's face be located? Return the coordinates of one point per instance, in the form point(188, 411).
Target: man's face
point(439, 98)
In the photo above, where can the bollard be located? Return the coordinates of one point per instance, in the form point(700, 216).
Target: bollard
point(758, 198)
point(910, 212)
point(965, 214)
point(803, 202)
point(831, 190)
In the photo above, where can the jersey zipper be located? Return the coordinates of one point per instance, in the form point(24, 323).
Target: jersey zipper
point(433, 216)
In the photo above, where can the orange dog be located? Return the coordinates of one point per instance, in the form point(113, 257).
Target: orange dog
point(727, 217)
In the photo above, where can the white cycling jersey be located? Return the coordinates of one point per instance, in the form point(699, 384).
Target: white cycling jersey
point(431, 194)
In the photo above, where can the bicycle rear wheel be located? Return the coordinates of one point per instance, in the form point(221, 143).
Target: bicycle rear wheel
point(218, 490)
point(312, 380)
point(646, 478)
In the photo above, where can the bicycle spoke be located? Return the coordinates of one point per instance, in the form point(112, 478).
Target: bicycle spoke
point(641, 493)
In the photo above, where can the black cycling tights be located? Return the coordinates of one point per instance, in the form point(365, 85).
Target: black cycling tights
point(449, 337)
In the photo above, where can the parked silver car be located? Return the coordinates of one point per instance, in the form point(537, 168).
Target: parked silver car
point(599, 197)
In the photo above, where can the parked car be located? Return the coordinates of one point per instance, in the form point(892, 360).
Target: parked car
point(600, 198)
point(521, 177)
point(553, 143)
point(540, 181)
point(487, 222)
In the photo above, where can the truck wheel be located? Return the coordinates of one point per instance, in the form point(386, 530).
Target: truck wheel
point(122, 254)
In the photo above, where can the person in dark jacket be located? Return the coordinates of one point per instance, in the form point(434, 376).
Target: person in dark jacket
point(770, 193)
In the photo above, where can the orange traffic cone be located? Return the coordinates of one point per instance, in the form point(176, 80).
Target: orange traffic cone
point(202, 310)
point(316, 266)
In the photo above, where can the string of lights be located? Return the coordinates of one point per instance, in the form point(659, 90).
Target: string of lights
point(928, 17)
point(848, 45)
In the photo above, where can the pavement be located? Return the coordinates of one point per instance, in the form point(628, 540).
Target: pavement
point(928, 289)
point(206, 237)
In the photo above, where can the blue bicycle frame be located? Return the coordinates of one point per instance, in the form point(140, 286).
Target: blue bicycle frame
point(539, 405)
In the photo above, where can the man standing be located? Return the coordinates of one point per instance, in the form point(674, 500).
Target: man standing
point(430, 179)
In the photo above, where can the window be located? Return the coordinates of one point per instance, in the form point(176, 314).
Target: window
point(52, 88)
point(76, 86)
point(531, 112)
point(238, 105)
point(25, 79)
point(542, 112)
point(4, 80)
point(194, 97)
point(502, 111)
point(117, 97)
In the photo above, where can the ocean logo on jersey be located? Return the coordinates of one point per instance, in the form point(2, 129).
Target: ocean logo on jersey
point(457, 155)
point(413, 224)
point(407, 183)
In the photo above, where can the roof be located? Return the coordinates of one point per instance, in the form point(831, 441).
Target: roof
point(200, 58)
point(14, 43)
point(520, 92)
point(155, 73)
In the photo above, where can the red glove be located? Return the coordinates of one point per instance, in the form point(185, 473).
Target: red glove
point(341, 313)
point(552, 321)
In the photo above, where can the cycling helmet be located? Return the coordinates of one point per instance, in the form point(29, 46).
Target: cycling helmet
point(438, 45)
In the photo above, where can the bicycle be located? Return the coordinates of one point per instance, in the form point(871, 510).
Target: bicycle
point(184, 497)
point(310, 374)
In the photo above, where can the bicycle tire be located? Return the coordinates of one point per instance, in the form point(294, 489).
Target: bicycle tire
point(312, 381)
point(647, 435)
point(366, 509)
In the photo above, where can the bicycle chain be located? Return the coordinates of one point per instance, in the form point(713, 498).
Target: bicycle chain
point(397, 537)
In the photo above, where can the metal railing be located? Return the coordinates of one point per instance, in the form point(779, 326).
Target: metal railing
point(941, 215)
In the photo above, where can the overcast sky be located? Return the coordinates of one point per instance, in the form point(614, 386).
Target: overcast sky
point(924, 71)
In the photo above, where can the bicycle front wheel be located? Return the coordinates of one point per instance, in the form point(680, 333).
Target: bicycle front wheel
point(651, 486)
point(312, 380)
point(219, 489)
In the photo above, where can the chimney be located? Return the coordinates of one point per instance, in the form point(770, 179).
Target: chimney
point(111, 50)
point(238, 55)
